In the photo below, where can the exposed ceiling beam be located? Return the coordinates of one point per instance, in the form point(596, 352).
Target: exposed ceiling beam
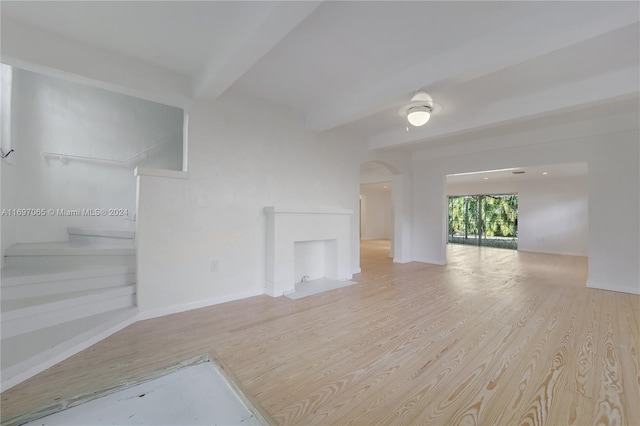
point(553, 27)
point(574, 95)
point(32, 48)
point(224, 69)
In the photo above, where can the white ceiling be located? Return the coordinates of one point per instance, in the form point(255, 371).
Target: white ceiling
point(548, 172)
point(180, 36)
point(352, 65)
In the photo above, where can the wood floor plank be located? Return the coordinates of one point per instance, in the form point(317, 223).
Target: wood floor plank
point(504, 394)
point(494, 337)
point(581, 374)
point(491, 367)
point(630, 357)
point(409, 346)
point(404, 396)
point(610, 399)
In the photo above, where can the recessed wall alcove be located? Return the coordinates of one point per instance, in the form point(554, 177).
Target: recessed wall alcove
point(323, 246)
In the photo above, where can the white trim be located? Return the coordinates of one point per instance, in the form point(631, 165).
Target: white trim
point(155, 313)
point(356, 271)
point(6, 83)
point(305, 210)
point(50, 362)
point(562, 253)
point(185, 140)
point(618, 288)
point(173, 174)
point(440, 262)
point(398, 260)
point(268, 289)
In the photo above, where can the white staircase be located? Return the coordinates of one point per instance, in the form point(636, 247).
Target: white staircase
point(59, 298)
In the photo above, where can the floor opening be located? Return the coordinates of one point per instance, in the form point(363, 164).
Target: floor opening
point(195, 395)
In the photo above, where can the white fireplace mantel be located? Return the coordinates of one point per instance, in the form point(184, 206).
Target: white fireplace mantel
point(289, 225)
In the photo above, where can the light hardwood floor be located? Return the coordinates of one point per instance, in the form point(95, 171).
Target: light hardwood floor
point(495, 337)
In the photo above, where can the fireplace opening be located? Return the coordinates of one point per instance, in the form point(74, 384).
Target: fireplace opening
point(314, 260)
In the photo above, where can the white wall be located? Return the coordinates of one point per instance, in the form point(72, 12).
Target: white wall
point(375, 175)
point(614, 176)
point(236, 168)
point(309, 259)
point(9, 194)
point(377, 212)
point(9, 190)
point(55, 115)
point(552, 213)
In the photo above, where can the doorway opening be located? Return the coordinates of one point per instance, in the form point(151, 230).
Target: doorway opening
point(376, 211)
point(377, 215)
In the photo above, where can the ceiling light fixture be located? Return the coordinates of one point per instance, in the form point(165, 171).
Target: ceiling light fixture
point(419, 115)
point(419, 110)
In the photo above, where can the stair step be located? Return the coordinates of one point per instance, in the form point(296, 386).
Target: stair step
point(21, 282)
point(67, 248)
point(106, 237)
point(43, 303)
point(102, 232)
point(12, 275)
point(27, 354)
point(70, 261)
point(29, 314)
point(68, 254)
point(61, 297)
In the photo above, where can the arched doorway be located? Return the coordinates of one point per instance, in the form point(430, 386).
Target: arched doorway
point(383, 211)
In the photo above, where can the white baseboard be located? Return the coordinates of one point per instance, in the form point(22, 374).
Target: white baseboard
point(154, 313)
point(440, 262)
point(356, 271)
point(272, 294)
point(398, 260)
point(553, 252)
point(45, 360)
point(618, 288)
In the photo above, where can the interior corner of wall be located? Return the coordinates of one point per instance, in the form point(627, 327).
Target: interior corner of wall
point(631, 289)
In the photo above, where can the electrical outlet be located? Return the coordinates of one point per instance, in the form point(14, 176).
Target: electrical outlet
point(214, 265)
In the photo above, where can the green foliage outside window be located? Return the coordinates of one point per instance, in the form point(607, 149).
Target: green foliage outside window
point(484, 220)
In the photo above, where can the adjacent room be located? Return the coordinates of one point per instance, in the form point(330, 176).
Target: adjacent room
point(541, 209)
point(329, 212)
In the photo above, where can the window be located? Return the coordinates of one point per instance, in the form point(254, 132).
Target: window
point(6, 76)
point(484, 220)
